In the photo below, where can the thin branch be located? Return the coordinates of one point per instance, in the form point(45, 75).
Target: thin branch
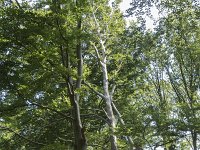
point(96, 22)
point(122, 122)
point(177, 92)
point(53, 110)
point(106, 113)
point(64, 140)
point(95, 115)
point(189, 142)
point(21, 136)
point(158, 144)
point(100, 37)
point(96, 92)
point(79, 56)
point(113, 90)
point(97, 53)
point(18, 4)
point(59, 29)
point(183, 79)
point(93, 109)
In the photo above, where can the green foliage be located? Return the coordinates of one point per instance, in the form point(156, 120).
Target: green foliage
point(156, 74)
point(54, 146)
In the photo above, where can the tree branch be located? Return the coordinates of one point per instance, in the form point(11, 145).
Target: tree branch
point(97, 53)
point(96, 92)
point(95, 115)
point(129, 139)
point(21, 136)
point(53, 110)
point(113, 90)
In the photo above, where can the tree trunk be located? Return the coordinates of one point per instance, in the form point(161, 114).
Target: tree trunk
point(79, 136)
point(109, 110)
point(103, 61)
point(194, 140)
point(80, 142)
point(128, 138)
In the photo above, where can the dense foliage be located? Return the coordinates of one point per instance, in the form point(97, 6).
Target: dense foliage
point(75, 75)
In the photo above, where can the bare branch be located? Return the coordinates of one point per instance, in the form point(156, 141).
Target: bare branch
point(113, 90)
point(102, 42)
point(96, 22)
point(96, 92)
point(106, 113)
point(18, 4)
point(97, 53)
point(64, 140)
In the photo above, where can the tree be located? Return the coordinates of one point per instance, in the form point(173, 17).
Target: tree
point(74, 75)
point(37, 56)
point(173, 62)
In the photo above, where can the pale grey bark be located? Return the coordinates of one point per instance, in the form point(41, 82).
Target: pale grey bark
point(106, 95)
point(128, 138)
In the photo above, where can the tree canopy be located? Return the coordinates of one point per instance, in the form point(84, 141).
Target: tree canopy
point(75, 75)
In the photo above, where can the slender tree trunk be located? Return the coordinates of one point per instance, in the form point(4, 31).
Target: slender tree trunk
point(109, 110)
point(194, 140)
point(80, 142)
point(79, 136)
point(128, 138)
point(103, 61)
